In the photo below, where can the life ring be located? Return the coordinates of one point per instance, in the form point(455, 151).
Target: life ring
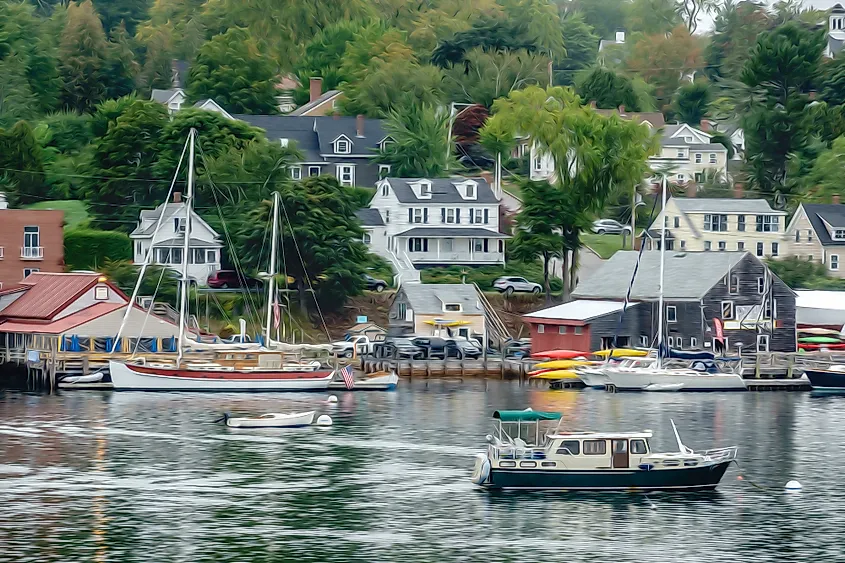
point(481, 471)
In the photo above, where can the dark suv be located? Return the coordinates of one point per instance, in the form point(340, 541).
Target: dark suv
point(433, 346)
point(374, 284)
point(224, 279)
point(462, 349)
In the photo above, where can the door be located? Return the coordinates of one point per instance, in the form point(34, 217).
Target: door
point(620, 453)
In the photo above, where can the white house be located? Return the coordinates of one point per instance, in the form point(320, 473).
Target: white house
point(173, 98)
point(169, 242)
point(436, 221)
point(835, 31)
point(688, 155)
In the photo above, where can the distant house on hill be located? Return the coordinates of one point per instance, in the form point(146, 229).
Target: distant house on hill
point(835, 31)
point(438, 310)
point(320, 103)
point(817, 233)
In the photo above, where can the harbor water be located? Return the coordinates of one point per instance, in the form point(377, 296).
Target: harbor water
point(125, 477)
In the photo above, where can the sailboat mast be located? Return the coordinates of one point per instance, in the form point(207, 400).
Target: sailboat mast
point(271, 290)
point(186, 248)
point(662, 267)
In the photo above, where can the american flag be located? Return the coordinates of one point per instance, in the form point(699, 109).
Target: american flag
point(346, 374)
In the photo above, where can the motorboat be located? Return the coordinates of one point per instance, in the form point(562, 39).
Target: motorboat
point(590, 461)
point(829, 379)
point(378, 381)
point(691, 371)
point(271, 420)
point(594, 376)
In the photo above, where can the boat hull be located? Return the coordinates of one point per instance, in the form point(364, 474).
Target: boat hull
point(593, 379)
point(638, 381)
point(296, 420)
point(148, 378)
point(383, 383)
point(680, 479)
point(826, 379)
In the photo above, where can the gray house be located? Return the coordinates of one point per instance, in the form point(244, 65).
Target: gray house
point(344, 147)
point(437, 310)
point(756, 309)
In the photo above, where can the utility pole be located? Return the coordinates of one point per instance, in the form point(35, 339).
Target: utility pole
point(633, 215)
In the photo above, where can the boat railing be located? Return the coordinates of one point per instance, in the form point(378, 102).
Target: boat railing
point(722, 454)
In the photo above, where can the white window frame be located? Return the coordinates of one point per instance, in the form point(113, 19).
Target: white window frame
point(698, 156)
point(674, 317)
point(296, 172)
point(740, 245)
point(28, 271)
point(762, 342)
point(712, 158)
point(367, 239)
point(342, 170)
point(101, 293)
point(312, 169)
point(460, 308)
point(722, 246)
point(644, 341)
point(733, 288)
point(418, 215)
point(345, 143)
point(578, 330)
point(541, 329)
point(834, 262)
point(732, 310)
point(450, 215)
point(693, 342)
point(707, 246)
point(385, 168)
point(775, 250)
point(760, 250)
point(561, 329)
point(761, 285)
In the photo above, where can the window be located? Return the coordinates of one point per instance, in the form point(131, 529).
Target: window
point(666, 222)
point(671, 314)
point(315, 171)
point(706, 245)
point(761, 285)
point(139, 248)
point(447, 215)
point(638, 447)
point(452, 307)
point(680, 177)
point(561, 329)
point(797, 235)
point(501, 246)
point(809, 235)
point(538, 162)
point(759, 249)
point(296, 172)
point(693, 342)
point(740, 246)
point(767, 308)
point(775, 249)
point(699, 177)
point(834, 261)
point(403, 311)
point(387, 216)
point(342, 146)
point(101, 292)
point(722, 246)
point(644, 341)
point(839, 234)
point(767, 223)
point(383, 171)
point(569, 447)
point(680, 153)
point(677, 222)
point(541, 329)
point(346, 174)
point(717, 223)
point(578, 330)
point(198, 256)
point(425, 190)
point(27, 271)
point(211, 257)
point(671, 341)
point(417, 245)
point(418, 215)
point(740, 222)
point(733, 284)
point(471, 191)
point(448, 244)
point(712, 158)
point(595, 447)
point(698, 158)
point(683, 245)
point(727, 310)
point(762, 342)
point(367, 238)
point(479, 245)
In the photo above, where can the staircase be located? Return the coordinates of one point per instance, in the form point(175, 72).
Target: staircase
point(497, 332)
point(166, 311)
point(405, 270)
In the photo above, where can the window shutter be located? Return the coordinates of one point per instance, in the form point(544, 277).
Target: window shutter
point(410, 245)
point(425, 215)
point(485, 245)
point(410, 215)
point(458, 216)
point(471, 216)
point(442, 214)
point(425, 245)
point(486, 216)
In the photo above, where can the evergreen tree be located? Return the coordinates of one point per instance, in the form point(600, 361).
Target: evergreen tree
point(127, 13)
point(691, 102)
point(232, 70)
point(121, 68)
point(419, 146)
point(581, 49)
point(22, 164)
point(832, 87)
point(16, 99)
point(608, 89)
point(82, 53)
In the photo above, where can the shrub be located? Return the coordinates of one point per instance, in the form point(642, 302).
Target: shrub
point(89, 249)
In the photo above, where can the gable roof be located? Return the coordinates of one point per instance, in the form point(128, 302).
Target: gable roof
point(48, 293)
point(208, 104)
point(579, 310)
point(443, 190)
point(672, 135)
point(369, 217)
point(169, 210)
point(724, 205)
point(428, 298)
point(164, 96)
point(655, 118)
point(820, 213)
point(837, 9)
point(688, 275)
point(330, 128)
point(304, 109)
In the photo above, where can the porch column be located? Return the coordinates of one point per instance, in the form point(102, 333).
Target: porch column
point(471, 254)
point(438, 250)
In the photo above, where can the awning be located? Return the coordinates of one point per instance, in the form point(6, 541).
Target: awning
point(527, 415)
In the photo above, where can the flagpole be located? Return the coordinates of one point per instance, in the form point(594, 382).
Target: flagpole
point(272, 269)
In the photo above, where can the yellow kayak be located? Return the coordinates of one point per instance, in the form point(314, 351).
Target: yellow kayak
point(562, 364)
point(623, 352)
point(556, 375)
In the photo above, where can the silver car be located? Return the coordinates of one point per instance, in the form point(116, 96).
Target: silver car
point(610, 227)
point(515, 284)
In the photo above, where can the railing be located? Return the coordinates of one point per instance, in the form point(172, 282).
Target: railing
point(32, 252)
point(496, 328)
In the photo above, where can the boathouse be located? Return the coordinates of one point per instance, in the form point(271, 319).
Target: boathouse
point(430, 309)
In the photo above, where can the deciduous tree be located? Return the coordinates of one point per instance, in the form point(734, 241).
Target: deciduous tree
point(22, 165)
point(608, 89)
point(82, 53)
point(691, 101)
point(664, 60)
point(420, 137)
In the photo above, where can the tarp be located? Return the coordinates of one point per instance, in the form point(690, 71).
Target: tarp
point(525, 416)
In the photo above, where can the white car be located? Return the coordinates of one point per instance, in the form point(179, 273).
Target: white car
point(514, 284)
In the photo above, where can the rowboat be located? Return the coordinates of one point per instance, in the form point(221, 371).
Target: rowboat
point(378, 381)
point(271, 420)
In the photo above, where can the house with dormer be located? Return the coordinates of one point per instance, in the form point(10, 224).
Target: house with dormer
point(835, 31)
point(687, 155)
point(817, 233)
point(436, 221)
point(343, 147)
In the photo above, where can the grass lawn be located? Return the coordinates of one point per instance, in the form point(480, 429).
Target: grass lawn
point(76, 214)
point(605, 245)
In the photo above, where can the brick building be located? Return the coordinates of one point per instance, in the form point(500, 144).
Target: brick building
point(31, 240)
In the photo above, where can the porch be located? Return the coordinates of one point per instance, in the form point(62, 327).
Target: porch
point(475, 246)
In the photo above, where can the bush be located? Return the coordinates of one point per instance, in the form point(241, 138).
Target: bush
point(90, 249)
point(484, 276)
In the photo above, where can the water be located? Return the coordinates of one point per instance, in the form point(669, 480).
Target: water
point(124, 477)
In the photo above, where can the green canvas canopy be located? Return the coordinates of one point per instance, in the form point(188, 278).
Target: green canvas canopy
point(525, 416)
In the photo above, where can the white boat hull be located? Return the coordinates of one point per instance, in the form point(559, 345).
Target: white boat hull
point(593, 378)
point(381, 383)
point(690, 381)
point(273, 420)
point(139, 378)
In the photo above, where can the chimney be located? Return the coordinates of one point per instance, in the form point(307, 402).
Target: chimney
point(691, 189)
point(621, 110)
point(620, 35)
point(177, 197)
point(316, 88)
point(593, 104)
point(738, 190)
point(835, 199)
point(704, 125)
point(359, 126)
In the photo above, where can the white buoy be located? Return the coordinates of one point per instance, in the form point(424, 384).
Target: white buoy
point(324, 420)
point(332, 399)
point(793, 486)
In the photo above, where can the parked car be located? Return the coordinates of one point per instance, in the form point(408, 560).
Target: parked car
point(434, 347)
point(359, 345)
point(230, 279)
point(610, 227)
point(517, 349)
point(398, 348)
point(374, 284)
point(460, 348)
point(515, 284)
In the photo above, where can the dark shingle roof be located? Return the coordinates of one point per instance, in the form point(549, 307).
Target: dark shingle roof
point(451, 232)
point(428, 298)
point(330, 128)
point(833, 214)
point(369, 217)
point(443, 190)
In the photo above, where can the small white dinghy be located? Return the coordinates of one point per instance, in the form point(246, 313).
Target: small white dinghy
point(90, 378)
point(270, 420)
point(663, 387)
point(379, 381)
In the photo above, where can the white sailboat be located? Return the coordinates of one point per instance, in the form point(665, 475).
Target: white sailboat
point(270, 373)
point(702, 375)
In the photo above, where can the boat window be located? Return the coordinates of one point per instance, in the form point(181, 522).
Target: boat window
point(638, 447)
point(569, 447)
point(528, 464)
point(507, 464)
point(548, 464)
point(595, 447)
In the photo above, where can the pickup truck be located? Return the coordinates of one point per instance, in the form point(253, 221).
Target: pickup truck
point(353, 345)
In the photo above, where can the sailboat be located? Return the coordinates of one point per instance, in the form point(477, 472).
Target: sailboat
point(268, 372)
point(701, 372)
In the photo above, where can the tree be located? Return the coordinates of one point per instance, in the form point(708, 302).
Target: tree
point(691, 102)
point(779, 74)
point(127, 13)
point(651, 16)
point(232, 70)
point(604, 16)
point(157, 70)
point(492, 35)
point(581, 49)
point(724, 140)
point(419, 144)
point(663, 60)
point(800, 273)
point(832, 87)
point(608, 89)
point(16, 99)
point(535, 239)
point(393, 86)
point(826, 177)
point(22, 164)
point(486, 76)
point(120, 67)
point(594, 156)
point(691, 11)
point(323, 58)
point(82, 55)
point(737, 27)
